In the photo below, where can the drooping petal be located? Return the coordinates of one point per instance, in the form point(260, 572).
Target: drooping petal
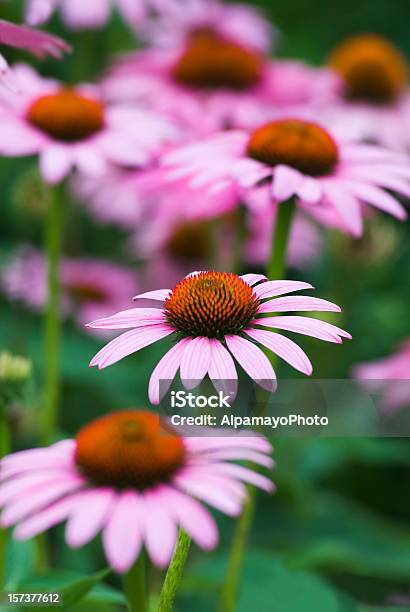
point(285, 183)
point(55, 163)
point(135, 317)
point(222, 370)
point(252, 279)
point(130, 342)
point(159, 294)
point(253, 361)
point(195, 362)
point(307, 326)
point(192, 517)
point(122, 535)
point(89, 516)
point(245, 474)
point(165, 372)
point(160, 530)
point(45, 519)
point(283, 347)
point(346, 205)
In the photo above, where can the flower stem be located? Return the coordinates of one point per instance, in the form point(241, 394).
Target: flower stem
point(275, 270)
point(4, 450)
point(135, 586)
point(277, 262)
point(174, 573)
point(53, 238)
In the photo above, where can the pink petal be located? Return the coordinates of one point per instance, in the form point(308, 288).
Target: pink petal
point(40, 498)
point(122, 536)
point(377, 197)
point(217, 496)
point(159, 294)
point(304, 325)
point(222, 370)
point(160, 530)
point(130, 342)
point(310, 190)
point(298, 303)
point(55, 163)
point(38, 43)
point(285, 182)
point(346, 205)
point(252, 279)
point(28, 481)
point(88, 516)
point(135, 317)
point(192, 517)
point(237, 454)
point(237, 440)
point(279, 287)
point(195, 362)
point(45, 519)
point(165, 372)
point(244, 474)
point(283, 347)
point(253, 361)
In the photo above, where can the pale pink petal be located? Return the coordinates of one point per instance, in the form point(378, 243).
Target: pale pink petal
point(45, 519)
point(216, 496)
point(135, 317)
point(192, 517)
point(310, 190)
point(285, 182)
point(279, 287)
point(377, 197)
point(222, 370)
point(237, 439)
point(28, 481)
point(346, 205)
point(239, 454)
point(195, 362)
point(160, 532)
point(159, 294)
point(165, 372)
point(55, 163)
point(244, 474)
point(123, 533)
point(40, 498)
point(283, 347)
point(89, 515)
point(90, 14)
point(298, 303)
point(252, 279)
point(130, 342)
point(304, 325)
point(37, 42)
point(253, 361)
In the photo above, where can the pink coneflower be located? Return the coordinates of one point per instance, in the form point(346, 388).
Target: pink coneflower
point(90, 288)
point(91, 14)
point(176, 20)
point(72, 127)
point(291, 157)
point(376, 101)
point(215, 316)
point(390, 377)
point(133, 478)
point(214, 82)
point(40, 44)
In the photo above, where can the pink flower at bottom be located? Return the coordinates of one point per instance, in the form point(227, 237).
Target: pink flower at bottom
point(90, 288)
point(332, 178)
point(215, 318)
point(390, 377)
point(134, 479)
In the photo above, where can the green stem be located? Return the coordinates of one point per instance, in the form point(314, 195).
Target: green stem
point(4, 450)
point(54, 231)
point(174, 573)
point(275, 270)
point(135, 586)
point(277, 262)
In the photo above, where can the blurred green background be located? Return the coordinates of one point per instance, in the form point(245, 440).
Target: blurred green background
point(336, 536)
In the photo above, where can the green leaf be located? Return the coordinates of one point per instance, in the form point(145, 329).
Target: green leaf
point(72, 586)
point(20, 562)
